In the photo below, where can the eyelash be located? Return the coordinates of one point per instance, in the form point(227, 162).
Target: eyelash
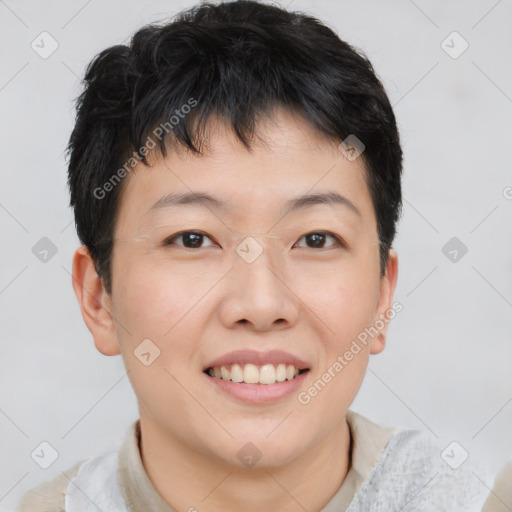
point(169, 241)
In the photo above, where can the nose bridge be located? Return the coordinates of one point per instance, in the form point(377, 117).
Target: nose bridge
point(261, 263)
point(261, 295)
point(253, 246)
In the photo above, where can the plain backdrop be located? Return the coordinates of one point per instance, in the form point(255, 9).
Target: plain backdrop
point(447, 365)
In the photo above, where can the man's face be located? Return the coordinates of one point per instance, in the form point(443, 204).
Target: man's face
point(255, 282)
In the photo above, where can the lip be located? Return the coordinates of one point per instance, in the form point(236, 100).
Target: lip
point(259, 358)
point(258, 393)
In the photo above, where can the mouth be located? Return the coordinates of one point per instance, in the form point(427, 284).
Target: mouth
point(249, 373)
point(257, 377)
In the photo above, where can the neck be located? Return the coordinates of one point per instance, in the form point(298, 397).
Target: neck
point(189, 480)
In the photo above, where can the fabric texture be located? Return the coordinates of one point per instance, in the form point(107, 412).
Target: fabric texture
point(411, 476)
point(390, 470)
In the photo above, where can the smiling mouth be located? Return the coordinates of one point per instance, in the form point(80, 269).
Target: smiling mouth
point(266, 374)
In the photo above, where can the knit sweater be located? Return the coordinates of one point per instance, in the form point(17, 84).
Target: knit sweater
point(391, 470)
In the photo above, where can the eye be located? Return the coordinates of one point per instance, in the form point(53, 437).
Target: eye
point(194, 240)
point(317, 239)
point(191, 239)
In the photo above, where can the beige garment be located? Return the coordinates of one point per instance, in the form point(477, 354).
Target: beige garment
point(368, 441)
point(500, 499)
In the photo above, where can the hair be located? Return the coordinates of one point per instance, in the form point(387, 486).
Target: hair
point(236, 60)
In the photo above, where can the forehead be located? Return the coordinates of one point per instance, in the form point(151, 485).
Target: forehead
point(289, 169)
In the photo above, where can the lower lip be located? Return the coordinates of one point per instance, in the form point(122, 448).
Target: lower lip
point(258, 393)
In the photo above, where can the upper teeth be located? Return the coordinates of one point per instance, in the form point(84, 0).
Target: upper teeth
point(254, 374)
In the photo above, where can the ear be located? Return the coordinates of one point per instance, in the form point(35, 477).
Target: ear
point(95, 303)
point(386, 292)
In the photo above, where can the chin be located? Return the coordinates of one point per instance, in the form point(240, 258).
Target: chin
point(258, 451)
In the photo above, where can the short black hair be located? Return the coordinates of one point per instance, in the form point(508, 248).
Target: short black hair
point(237, 60)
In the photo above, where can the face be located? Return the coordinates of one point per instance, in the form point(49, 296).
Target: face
point(254, 278)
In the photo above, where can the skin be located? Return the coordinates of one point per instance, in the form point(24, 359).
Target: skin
point(311, 302)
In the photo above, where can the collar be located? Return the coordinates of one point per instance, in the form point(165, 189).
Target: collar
point(368, 441)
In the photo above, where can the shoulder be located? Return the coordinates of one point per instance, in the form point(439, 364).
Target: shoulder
point(96, 475)
point(417, 472)
point(368, 440)
point(500, 500)
point(49, 495)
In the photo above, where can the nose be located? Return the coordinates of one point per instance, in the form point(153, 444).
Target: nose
point(259, 294)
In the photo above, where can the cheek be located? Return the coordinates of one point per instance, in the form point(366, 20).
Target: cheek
point(345, 307)
point(345, 301)
point(153, 301)
point(157, 306)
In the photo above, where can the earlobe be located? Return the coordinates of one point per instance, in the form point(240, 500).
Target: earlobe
point(95, 303)
point(385, 303)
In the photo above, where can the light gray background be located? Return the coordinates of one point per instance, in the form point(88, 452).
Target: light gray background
point(447, 366)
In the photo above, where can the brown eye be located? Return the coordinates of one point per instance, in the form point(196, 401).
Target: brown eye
point(317, 239)
point(190, 239)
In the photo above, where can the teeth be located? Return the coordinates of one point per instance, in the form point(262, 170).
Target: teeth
point(237, 374)
point(267, 374)
point(253, 374)
point(281, 372)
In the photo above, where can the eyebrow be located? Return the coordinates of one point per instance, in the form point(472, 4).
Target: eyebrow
point(295, 204)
